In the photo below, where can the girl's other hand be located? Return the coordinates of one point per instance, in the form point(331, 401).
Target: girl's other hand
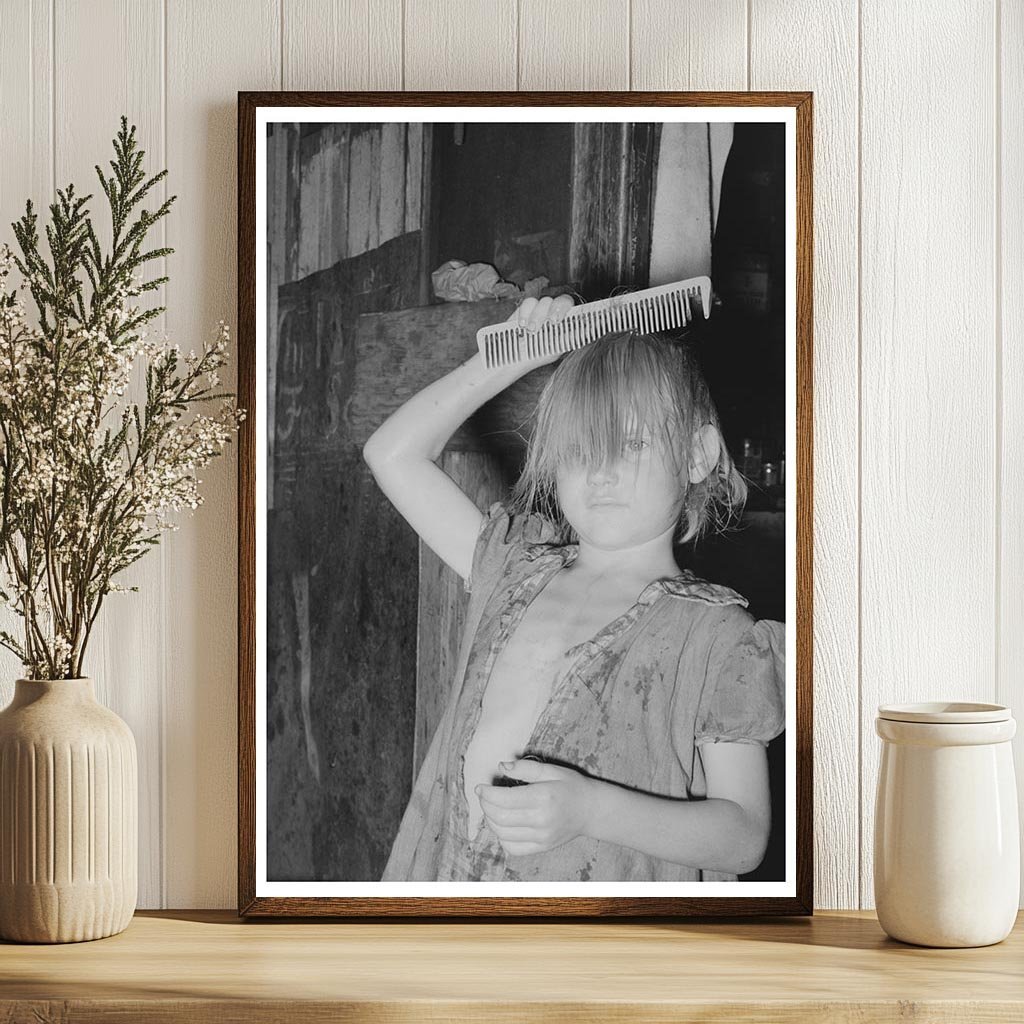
point(553, 808)
point(531, 314)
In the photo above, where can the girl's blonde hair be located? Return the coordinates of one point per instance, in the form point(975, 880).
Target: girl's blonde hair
point(602, 395)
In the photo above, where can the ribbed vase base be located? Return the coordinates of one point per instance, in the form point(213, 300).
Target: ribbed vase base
point(68, 815)
point(63, 913)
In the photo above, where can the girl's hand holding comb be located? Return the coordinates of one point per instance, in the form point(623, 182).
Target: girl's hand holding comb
point(531, 314)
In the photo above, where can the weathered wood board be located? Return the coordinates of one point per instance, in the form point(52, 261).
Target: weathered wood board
point(398, 354)
point(342, 570)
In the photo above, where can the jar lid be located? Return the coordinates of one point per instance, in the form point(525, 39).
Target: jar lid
point(945, 712)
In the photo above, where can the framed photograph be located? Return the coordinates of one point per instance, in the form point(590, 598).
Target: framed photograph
point(525, 504)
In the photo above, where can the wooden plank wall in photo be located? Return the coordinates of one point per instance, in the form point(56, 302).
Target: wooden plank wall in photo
point(341, 584)
point(919, 307)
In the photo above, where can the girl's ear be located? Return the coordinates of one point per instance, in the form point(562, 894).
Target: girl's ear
point(707, 450)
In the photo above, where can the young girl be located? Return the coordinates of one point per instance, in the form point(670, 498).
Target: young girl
point(609, 715)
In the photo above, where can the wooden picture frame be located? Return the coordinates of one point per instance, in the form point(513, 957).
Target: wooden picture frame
point(618, 135)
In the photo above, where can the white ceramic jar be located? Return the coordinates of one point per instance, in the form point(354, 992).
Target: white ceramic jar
point(947, 846)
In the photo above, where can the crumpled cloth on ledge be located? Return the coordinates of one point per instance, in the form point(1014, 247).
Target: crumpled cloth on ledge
point(457, 281)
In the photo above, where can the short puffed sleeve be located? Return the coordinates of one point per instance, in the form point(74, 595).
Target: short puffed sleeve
point(504, 537)
point(745, 701)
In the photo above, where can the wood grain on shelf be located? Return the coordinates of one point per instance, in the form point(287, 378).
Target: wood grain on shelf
point(209, 966)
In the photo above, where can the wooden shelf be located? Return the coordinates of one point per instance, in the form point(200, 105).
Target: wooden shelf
point(208, 966)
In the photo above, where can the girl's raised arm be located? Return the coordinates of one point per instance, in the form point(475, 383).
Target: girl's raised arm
point(401, 453)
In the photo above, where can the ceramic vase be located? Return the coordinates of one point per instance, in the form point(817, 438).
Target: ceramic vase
point(947, 846)
point(68, 815)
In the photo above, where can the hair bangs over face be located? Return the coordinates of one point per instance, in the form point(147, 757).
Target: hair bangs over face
point(621, 388)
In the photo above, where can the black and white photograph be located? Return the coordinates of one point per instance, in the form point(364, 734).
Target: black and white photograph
point(525, 503)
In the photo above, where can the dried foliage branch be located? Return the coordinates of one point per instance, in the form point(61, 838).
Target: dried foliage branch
point(88, 480)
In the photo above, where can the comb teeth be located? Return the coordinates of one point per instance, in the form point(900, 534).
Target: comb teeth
point(663, 308)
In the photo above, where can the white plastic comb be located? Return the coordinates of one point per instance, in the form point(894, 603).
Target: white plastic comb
point(664, 308)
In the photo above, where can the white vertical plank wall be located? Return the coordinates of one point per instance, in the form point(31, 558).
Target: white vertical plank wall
point(226, 46)
point(342, 44)
point(1009, 313)
point(699, 45)
point(471, 44)
point(928, 515)
point(128, 667)
point(919, 302)
point(573, 44)
point(832, 75)
point(26, 166)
